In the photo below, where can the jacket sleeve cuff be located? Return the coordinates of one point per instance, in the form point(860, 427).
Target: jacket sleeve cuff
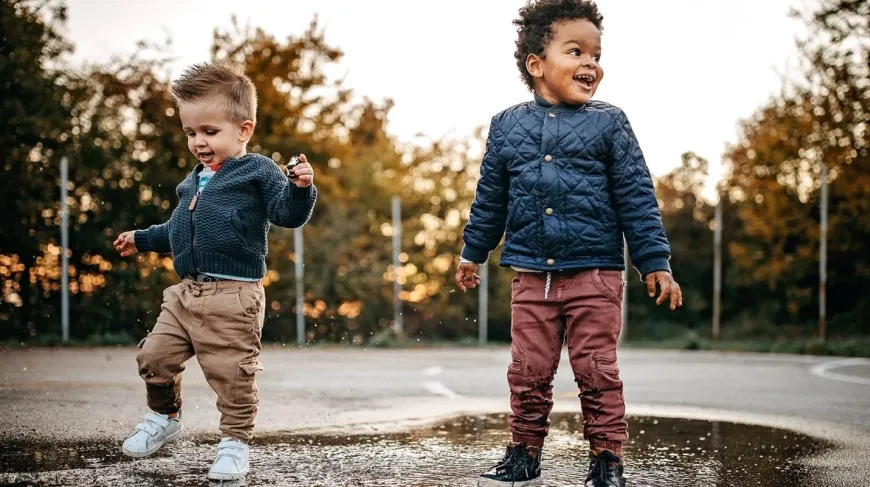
point(302, 194)
point(653, 264)
point(474, 254)
point(143, 243)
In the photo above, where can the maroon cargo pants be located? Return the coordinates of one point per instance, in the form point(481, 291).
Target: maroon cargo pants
point(582, 308)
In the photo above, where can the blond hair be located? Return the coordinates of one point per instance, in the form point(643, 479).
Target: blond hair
point(229, 84)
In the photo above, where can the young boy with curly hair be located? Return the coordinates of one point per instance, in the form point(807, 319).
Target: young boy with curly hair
point(563, 180)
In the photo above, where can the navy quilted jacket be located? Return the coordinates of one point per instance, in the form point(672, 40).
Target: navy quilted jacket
point(563, 184)
point(225, 231)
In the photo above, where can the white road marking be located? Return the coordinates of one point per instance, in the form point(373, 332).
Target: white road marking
point(431, 371)
point(824, 370)
point(439, 389)
point(434, 386)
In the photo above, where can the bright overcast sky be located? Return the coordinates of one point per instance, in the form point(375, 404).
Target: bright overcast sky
point(685, 71)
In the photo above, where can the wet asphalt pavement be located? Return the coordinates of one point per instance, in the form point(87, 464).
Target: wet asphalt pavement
point(664, 452)
point(364, 417)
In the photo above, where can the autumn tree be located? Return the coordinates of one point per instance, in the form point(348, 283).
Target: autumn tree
point(776, 176)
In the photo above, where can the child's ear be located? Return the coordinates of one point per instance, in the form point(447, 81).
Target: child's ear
point(246, 130)
point(535, 65)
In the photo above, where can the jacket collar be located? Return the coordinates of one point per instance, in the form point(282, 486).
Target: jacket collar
point(542, 104)
point(231, 160)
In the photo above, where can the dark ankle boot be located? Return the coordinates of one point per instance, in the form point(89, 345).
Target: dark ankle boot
point(520, 467)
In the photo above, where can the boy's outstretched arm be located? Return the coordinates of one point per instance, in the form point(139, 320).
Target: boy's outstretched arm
point(154, 239)
point(289, 204)
point(639, 213)
point(486, 222)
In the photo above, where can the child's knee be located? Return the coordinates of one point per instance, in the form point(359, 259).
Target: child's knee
point(153, 363)
point(144, 355)
point(596, 372)
point(233, 379)
point(528, 372)
point(149, 365)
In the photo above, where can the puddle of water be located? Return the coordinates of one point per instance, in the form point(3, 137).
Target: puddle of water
point(662, 452)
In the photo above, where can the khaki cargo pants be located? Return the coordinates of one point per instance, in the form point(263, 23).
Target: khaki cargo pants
point(221, 323)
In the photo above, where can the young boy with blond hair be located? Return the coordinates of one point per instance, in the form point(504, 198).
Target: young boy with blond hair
point(218, 239)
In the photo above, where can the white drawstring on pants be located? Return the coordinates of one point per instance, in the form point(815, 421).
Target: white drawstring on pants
point(547, 286)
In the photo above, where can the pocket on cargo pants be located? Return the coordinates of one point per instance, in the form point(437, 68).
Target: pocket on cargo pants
point(245, 391)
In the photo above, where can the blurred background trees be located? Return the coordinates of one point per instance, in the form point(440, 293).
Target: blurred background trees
point(117, 125)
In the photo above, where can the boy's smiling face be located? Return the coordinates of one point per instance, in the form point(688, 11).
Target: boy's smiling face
point(569, 72)
point(211, 136)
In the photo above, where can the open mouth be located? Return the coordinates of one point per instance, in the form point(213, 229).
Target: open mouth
point(586, 80)
point(205, 156)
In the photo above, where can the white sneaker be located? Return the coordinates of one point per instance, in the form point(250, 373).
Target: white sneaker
point(231, 462)
point(151, 434)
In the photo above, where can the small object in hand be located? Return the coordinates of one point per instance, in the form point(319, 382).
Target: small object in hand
point(290, 165)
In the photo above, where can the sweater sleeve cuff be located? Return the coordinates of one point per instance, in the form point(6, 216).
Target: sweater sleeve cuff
point(474, 254)
point(140, 237)
point(653, 264)
point(302, 194)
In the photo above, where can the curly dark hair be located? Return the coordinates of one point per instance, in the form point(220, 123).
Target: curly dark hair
point(535, 27)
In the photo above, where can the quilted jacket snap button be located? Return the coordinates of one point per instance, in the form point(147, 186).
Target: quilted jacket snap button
point(552, 115)
point(548, 211)
point(551, 262)
point(548, 158)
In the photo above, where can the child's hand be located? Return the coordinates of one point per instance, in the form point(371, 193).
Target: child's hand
point(466, 276)
point(126, 244)
point(303, 172)
point(669, 288)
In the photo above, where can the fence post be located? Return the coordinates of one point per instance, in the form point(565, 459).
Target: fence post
point(64, 243)
point(300, 283)
point(823, 253)
point(717, 267)
point(397, 249)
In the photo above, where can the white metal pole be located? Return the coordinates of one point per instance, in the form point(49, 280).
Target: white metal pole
point(64, 243)
point(483, 311)
point(717, 268)
point(300, 283)
point(823, 253)
point(397, 248)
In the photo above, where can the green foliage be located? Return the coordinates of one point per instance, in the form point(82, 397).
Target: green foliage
point(119, 128)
